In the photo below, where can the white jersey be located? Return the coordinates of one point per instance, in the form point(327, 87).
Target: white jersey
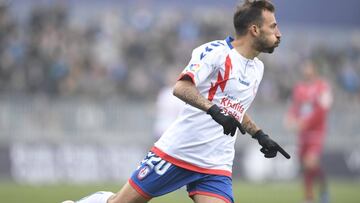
point(195, 141)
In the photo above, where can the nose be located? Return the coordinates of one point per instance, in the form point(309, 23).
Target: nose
point(278, 33)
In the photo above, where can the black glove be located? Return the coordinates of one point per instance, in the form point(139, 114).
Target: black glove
point(228, 122)
point(269, 146)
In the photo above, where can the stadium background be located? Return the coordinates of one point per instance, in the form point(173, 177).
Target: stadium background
point(79, 82)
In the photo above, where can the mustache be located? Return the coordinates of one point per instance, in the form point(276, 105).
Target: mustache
point(278, 41)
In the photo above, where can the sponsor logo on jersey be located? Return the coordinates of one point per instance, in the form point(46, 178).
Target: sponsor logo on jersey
point(143, 172)
point(244, 82)
point(232, 106)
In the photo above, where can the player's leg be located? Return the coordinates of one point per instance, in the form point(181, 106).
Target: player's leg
point(127, 195)
point(316, 173)
point(309, 163)
point(313, 172)
point(97, 197)
point(307, 180)
point(211, 189)
point(154, 177)
point(207, 199)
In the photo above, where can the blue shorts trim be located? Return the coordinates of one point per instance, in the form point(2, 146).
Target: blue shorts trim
point(156, 177)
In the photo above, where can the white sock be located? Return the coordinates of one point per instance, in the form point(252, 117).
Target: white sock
point(97, 197)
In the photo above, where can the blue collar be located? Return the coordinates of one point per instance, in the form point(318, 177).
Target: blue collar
point(228, 40)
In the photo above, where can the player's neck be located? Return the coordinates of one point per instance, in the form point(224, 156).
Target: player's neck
point(245, 48)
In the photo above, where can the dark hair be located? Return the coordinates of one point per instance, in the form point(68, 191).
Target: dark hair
point(250, 12)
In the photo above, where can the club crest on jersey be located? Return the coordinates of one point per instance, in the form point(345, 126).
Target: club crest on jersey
point(143, 172)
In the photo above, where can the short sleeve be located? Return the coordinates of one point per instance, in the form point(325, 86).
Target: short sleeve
point(198, 68)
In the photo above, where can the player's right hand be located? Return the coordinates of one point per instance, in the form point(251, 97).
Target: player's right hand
point(269, 147)
point(228, 122)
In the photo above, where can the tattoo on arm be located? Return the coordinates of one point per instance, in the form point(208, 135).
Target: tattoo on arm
point(249, 125)
point(186, 91)
point(193, 97)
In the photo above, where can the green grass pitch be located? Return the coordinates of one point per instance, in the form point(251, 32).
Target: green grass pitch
point(244, 192)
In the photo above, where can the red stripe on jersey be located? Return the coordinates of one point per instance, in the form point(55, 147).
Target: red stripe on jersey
point(188, 166)
point(221, 81)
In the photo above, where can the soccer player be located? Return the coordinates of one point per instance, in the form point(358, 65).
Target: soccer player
point(218, 86)
point(308, 112)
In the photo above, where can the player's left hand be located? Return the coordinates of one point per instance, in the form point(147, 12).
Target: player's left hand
point(269, 146)
point(229, 123)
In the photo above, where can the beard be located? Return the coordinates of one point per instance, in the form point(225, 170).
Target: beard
point(263, 45)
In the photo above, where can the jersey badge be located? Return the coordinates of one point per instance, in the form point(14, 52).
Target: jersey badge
point(194, 67)
point(143, 172)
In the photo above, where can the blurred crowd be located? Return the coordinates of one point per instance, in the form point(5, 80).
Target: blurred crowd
point(128, 52)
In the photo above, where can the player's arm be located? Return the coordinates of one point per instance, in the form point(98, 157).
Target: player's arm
point(186, 90)
point(269, 146)
point(291, 120)
point(249, 125)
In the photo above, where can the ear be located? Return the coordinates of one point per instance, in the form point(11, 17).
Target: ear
point(254, 30)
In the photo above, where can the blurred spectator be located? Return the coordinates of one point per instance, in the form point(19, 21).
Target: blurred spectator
point(123, 51)
point(349, 78)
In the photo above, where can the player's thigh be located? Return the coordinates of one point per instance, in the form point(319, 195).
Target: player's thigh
point(127, 195)
point(211, 188)
point(156, 177)
point(311, 160)
point(207, 199)
point(310, 155)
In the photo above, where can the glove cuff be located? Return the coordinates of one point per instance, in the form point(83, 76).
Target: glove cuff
point(259, 135)
point(213, 110)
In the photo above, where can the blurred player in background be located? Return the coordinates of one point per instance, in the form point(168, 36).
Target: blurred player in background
point(307, 115)
point(218, 86)
point(168, 106)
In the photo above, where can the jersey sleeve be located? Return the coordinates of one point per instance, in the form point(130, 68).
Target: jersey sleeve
point(198, 69)
point(325, 98)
